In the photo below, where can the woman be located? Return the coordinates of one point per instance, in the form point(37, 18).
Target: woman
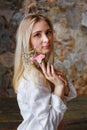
point(41, 90)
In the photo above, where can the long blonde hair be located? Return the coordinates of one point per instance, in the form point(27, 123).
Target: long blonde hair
point(23, 44)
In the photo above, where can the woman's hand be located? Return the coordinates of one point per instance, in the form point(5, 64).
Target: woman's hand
point(65, 83)
point(50, 74)
point(56, 78)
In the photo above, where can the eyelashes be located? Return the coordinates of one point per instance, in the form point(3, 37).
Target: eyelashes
point(48, 32)
point(39, 34)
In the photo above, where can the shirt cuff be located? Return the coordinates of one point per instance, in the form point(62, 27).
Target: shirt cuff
point(58, 103)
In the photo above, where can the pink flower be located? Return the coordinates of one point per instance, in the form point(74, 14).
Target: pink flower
point(38, 58)
point(32, 59)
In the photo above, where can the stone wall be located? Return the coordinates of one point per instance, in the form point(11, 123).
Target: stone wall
point(69, 18)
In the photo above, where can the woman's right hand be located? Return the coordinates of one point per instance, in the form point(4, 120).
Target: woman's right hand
point(54, 78)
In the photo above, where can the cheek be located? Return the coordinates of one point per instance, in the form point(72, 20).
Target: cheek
point(52, 38)
point(35, 44)
point(51, 41)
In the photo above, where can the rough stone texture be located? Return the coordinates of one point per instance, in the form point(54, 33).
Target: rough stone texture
point(69, 18)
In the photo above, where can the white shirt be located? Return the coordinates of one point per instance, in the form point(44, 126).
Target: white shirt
point(40, 109)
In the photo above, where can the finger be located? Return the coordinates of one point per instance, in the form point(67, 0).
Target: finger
point(52, 70)
point(43, 69)
point(61, 78)
point(48, 69)
point(64, 80)
point(60, 73)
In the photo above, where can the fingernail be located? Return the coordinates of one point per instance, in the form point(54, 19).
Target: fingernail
point(40, 64)
point(59, 76)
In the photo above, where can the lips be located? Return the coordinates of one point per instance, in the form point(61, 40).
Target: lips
point(46, 47)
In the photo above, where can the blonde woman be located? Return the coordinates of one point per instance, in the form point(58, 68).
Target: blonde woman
point(41, 90)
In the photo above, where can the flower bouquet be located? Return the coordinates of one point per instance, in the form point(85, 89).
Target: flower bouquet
point(31, 57)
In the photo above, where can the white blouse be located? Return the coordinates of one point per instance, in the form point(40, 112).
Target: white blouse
point(40, 109)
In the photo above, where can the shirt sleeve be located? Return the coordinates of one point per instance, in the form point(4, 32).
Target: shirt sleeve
point(72, 94)
point(47, 108)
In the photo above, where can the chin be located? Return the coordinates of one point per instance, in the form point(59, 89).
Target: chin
point(47, 52)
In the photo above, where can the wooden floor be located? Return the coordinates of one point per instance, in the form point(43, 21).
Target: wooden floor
point(75, 118)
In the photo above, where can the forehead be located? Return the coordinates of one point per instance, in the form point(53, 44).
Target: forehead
point(40, 26)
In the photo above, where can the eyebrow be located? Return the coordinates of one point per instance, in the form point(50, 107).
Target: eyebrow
point(36, 32)
point(40, 31)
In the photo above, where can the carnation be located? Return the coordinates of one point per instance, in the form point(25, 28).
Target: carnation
point(37, 58)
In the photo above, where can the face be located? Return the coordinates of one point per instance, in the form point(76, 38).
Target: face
point(41, 37)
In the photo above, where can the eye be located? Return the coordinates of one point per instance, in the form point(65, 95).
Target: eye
point(37, 35)
point(48, 32)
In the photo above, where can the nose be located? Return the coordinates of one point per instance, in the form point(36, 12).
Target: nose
point(45, 38)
